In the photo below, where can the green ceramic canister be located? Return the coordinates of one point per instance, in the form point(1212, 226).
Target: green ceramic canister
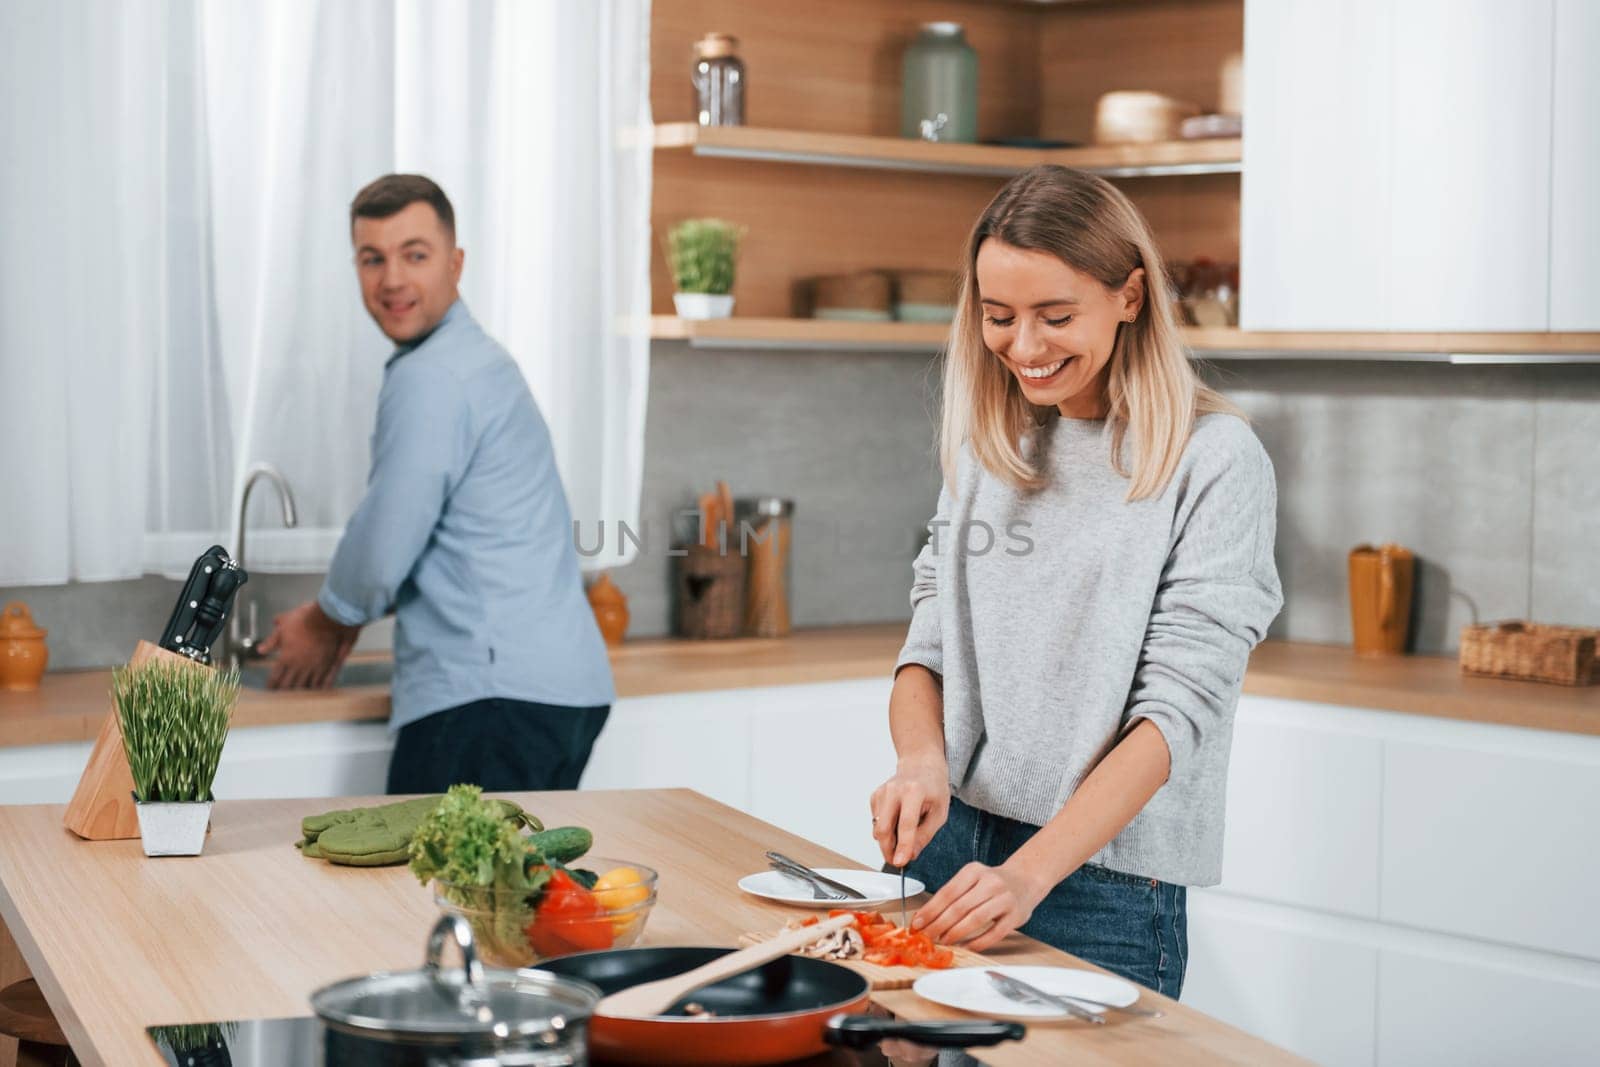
point(940, 96)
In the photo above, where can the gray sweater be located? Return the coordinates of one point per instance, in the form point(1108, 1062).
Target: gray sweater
point(1087, 613)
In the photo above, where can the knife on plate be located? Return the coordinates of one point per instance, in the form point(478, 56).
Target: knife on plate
point(779, 859)
point(1023, 993)
point(1125, 1009)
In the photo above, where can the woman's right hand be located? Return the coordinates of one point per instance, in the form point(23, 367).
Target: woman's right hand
point(909, 808)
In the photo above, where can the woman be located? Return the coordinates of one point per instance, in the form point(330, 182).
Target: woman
point(1100, 568)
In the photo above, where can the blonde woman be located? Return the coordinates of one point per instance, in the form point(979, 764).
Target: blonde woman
point(1100, 566)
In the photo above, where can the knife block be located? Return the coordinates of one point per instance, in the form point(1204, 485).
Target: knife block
point(102, 808)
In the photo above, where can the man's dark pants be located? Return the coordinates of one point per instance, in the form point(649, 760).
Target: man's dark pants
point(501, 745)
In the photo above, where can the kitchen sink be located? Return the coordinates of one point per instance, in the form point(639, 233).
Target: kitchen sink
point(351, 675)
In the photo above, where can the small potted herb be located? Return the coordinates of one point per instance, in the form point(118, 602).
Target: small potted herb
point(701, 253)
point(197, 1044)
point(174, 719)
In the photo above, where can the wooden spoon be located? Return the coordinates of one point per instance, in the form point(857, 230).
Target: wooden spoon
point(653, 998)
point(708, 520)
point(725, 507)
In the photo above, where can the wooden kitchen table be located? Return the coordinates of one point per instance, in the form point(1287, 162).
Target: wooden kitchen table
point(119, 942)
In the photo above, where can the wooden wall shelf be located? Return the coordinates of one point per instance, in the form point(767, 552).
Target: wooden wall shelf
point(800, 334)
point(1221, 156)
point(1211, 344)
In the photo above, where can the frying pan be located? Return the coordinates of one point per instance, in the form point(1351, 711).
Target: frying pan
point(775, 1013)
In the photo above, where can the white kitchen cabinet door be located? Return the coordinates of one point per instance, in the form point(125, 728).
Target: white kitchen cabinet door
point(1397, 164)
point(1448, 1010)
point(1287, 978)
point(1303, 815)
point(817, 753)
point(1498, 842)
point(324, 759)
point(1314, 222)
point(320, 759)
point(697, 741)
point(1469, 222)
point(1575, 177)
point(42, 774)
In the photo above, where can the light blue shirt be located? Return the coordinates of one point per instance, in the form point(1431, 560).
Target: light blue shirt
point(465, 535)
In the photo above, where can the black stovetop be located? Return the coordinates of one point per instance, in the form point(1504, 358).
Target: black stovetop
point(299, 1042)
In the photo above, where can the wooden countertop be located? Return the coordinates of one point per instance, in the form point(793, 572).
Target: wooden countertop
point(68, 706)
point(119, 942)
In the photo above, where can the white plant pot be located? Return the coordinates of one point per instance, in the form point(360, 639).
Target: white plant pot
point(703, 305)
point(173, 829)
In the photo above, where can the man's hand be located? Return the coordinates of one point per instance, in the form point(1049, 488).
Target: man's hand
point(980, 906)
point(310, 646)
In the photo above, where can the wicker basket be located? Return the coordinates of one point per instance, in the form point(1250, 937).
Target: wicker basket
point(710, 593)
point(1531, 651)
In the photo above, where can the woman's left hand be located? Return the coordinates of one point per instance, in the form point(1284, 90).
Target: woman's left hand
point(980, 906)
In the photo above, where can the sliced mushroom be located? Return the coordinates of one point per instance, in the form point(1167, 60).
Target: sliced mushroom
point(842, 944)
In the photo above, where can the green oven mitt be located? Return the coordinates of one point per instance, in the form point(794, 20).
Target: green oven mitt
point(380, 835)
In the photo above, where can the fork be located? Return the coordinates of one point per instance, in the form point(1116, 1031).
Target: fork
point(818, 890)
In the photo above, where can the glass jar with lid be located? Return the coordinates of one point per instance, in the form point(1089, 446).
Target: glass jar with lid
point(718, 80)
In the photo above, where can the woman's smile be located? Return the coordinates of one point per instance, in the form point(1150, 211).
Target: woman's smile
point(1043, 373)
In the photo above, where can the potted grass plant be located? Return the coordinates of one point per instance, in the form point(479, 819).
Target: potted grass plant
point(174, 719)
point(701, 253)
point(197, 1044)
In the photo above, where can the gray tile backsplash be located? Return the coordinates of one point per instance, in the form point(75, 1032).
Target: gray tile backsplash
point(847, 436)
point(1565, 585)
point(1486, 472)
point(97, 624)
point(1437, 458)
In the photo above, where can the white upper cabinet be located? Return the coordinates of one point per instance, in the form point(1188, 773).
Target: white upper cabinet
point(1397, 165)
point(1314, 240)
point(1575, 177)
point(1470, 170)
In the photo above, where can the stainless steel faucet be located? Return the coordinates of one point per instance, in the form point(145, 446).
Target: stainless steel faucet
point(241, 645)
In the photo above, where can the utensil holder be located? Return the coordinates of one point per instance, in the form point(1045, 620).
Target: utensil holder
point(765, 529)
point(710, 589)
point(1380, 598)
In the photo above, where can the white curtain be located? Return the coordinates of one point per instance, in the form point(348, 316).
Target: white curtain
point(178, 180)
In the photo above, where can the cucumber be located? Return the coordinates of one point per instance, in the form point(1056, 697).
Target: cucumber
point(563, 844)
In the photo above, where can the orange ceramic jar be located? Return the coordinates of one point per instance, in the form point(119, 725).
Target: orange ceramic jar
point(610, 609)
point(23, 654)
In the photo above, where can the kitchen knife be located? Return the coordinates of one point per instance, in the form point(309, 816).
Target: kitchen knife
point(203, 605)
point(904, 925)
point(1023, 993)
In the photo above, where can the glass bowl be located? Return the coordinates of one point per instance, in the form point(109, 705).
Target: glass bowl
point(510, 933)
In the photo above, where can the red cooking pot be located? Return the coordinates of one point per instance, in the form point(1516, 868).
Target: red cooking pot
point(786, 1010)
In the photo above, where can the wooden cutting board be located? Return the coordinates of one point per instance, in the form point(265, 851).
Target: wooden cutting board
point(879, 976)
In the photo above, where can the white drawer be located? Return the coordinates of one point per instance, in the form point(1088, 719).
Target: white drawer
point(1456, 1012)
point(1292, 980)
point(1494, 845)
point(1303, 817)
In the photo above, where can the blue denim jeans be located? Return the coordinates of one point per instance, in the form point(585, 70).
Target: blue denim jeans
point(1132, 926)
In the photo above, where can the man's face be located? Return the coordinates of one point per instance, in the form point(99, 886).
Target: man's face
point(409, 268)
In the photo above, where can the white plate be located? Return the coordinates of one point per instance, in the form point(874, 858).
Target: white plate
point(969, 989)
point(880, 888)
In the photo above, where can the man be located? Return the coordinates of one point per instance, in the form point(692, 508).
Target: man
point(501, 676)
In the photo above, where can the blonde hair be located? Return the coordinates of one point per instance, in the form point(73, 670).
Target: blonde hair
point(1154, 393)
